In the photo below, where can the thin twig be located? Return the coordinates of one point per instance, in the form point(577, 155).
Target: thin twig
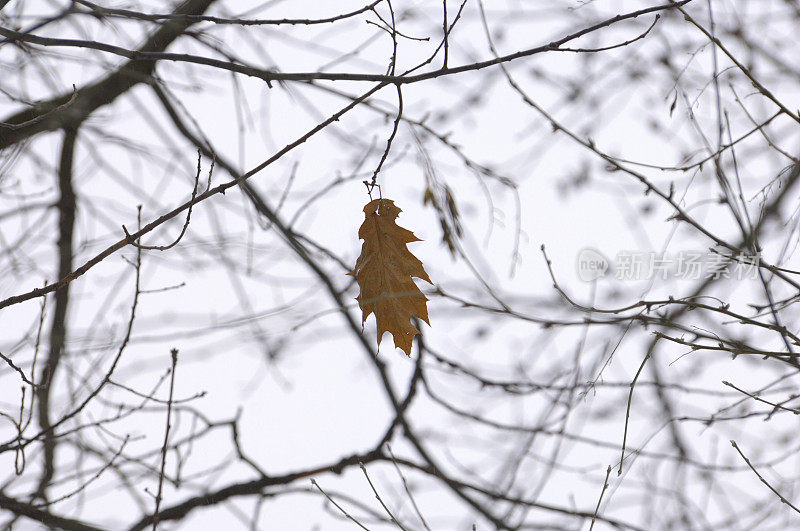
point(271, 75)
point(11, 364)
point(600, 499)
point(128, 14)
point(188, 212)
point(630, 398)
point(220, 189)
point(759, 399)
point(378, 497)
point(44, 116)
point(373, 183)
point(174, 355)
point(359, 524)
point(407, 489)
point(764, 481)
point(613, 46)
point(756, 83)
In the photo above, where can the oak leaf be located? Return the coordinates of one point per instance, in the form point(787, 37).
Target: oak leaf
point(384, 272)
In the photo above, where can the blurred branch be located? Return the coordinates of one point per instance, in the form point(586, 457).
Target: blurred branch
point(60, 113)
point(269, 76)
point(41, 515)
point(764, 481)
point(136, 15)
point(67, 211)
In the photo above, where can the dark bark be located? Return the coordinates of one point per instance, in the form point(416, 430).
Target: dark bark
point(46, 117)
point(40, 515)
point(58, 331)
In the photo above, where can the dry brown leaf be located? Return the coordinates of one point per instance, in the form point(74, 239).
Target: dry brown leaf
point(384, 272)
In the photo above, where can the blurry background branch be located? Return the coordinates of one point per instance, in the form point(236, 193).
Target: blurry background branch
point(650, 149)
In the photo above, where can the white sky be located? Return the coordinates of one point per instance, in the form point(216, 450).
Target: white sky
point(319, 399)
